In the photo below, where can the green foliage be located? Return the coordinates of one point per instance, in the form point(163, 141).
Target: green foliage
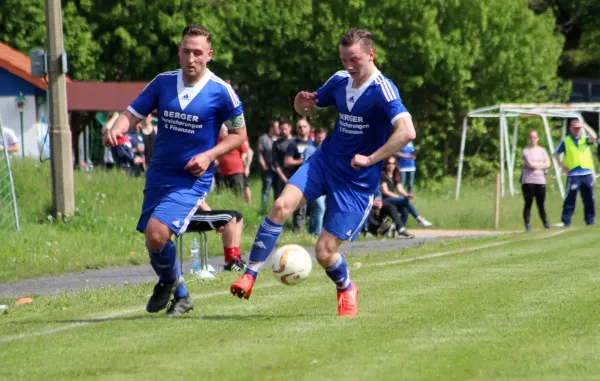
point(446, 56)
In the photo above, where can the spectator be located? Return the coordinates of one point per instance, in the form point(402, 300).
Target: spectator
point(267, 165)
point(378, 223)
point(394, 193)
point(578, 164)
point(125, 158)
point(533, 181)
point(293, 161)
point(279, 151)
point(9, 140)
point(109, 160)
point(137, 143)
point(148, 132)
point(229, 224)
point(232, 166)
point(316, 208)
point(247, 160)
point(407, 164)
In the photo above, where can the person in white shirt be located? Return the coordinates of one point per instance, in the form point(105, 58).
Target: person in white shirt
point(9, 139)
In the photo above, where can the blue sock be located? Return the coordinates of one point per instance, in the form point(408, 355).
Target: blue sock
point(265, 241)
point(339, 273)
point(166, 266)
point(181, 291)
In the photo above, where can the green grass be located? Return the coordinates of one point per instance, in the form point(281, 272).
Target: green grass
point(102, 232)
point(516, 307)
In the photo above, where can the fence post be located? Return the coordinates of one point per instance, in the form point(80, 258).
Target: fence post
point(497, 208)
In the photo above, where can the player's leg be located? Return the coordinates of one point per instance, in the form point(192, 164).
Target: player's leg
point(172, 215)
point(528, 196)
point(268, 233)
point(163, 258)
point(347, 212)
point(307, 183)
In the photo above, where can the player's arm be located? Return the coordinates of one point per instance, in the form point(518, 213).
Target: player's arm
point(403, 133)
point(308, 103)
point(248, 160)
point(236, 127)
point(120, 127)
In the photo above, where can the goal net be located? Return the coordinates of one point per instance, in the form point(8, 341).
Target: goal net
point(9, 216)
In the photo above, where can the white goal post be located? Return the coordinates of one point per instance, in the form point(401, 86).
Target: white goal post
point(508, 149)
point(9, 214)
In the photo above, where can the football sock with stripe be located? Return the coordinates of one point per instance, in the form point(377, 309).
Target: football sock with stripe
point(339, 273)
point(166, 266)
point(266, 238)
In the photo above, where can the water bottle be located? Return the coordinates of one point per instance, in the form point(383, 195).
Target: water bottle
point(195, 251)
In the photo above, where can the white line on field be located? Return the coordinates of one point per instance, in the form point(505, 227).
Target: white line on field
point(212, 294)
point(459, 251)
point(113, 315)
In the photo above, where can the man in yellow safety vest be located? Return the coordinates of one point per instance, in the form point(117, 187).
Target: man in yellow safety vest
point(578, 164)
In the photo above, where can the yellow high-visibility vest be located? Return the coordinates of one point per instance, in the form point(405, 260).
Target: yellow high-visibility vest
point(577, 155)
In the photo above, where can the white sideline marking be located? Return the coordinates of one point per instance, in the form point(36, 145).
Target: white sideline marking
point(458, 251)
point(106, 317)
point(213, 294)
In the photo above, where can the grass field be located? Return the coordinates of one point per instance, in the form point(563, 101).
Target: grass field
point(516, 307)
point(102, 232)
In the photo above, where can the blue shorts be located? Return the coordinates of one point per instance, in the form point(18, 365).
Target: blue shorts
point(347, 206)
point(173, 206)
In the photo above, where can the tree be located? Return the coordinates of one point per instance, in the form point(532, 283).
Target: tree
point(23, 26)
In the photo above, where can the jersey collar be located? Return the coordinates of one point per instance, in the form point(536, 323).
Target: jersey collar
point(353, 94)
point(187, 94)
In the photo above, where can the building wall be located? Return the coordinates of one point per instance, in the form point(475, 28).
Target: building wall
point(10, 86)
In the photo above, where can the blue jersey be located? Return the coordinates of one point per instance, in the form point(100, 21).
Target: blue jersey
point(189, 121)
point(404, 163)
point(364, 124)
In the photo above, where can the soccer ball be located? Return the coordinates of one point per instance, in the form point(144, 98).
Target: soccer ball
point(291, 264)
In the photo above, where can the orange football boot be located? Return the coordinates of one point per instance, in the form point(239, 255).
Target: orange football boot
point(242, 287)
point(348, 301)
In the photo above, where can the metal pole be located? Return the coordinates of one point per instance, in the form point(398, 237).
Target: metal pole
point(61, 153)
point(22, 135)
point(461, 157)
point(514, 142)
point(502, 154)
point(10, 178)
point(509, 162)
point(557, 172)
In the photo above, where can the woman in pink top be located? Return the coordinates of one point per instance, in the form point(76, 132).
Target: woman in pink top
point(533, 182)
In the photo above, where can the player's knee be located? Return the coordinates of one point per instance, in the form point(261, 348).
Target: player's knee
point(281, 210)
point(157, 235)
point(325, 251)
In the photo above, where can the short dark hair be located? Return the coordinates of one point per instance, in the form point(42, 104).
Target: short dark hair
point(353, 36)
point(196, 30)
point(320, 130)
point(272, 122)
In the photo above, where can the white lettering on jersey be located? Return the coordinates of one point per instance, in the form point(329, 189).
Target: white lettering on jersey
point(351, 124)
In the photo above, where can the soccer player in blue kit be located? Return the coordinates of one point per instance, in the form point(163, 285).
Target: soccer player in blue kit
point(192, 105)
point(372, 125)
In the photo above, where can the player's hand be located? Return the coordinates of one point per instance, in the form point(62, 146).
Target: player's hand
point(198, 165)
point(111, 138)
point(305, 100)
point(410, 196)
point(360, 161)
point(247, 172)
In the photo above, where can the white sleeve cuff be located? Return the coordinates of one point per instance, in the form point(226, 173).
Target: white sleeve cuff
point(137, 114)
point(405, 113)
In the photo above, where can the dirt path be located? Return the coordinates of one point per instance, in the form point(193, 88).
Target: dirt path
point(118, 276)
